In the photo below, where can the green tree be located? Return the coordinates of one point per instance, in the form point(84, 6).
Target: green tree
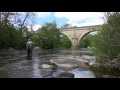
point(107, 41)
point(86, 41)
point(66, 25)
point(65, 42)
point(49, 36)
point(10, 34)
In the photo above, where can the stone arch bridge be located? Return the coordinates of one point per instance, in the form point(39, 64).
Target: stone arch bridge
point(75, 34)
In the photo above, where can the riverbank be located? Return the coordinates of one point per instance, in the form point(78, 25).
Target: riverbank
point(110, 65)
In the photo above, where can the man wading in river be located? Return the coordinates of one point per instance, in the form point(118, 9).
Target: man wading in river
point(29, 46)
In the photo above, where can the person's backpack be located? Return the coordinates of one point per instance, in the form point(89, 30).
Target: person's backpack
point(29, 45)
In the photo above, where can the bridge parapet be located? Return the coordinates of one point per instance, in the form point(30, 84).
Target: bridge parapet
point(95, 28)
point(82, 28)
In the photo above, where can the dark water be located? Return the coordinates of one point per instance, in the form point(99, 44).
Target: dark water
point(16, 64)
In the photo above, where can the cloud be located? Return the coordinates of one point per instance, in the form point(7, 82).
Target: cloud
point(35, 27)
point(81, 18)
point(43, 14)
point(94, 21)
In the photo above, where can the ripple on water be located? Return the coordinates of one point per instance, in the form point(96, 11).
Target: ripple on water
point(61, 70)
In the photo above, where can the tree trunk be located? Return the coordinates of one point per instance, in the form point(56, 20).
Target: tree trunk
point(23, 22)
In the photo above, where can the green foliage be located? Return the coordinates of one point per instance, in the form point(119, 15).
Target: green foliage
point(65, 42)
point(10, 35)
point(35, 39)
point(86, 41)
point(11, 38)
point(107, 42)
point(66, 25)
point(49, 36)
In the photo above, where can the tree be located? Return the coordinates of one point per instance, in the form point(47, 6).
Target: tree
point(12, 25)
point(25, 20)
point(86, 41)
point(17, 19)
point(65, 42)
point(5, 28)
point(49, 35)
point(107, 41)
point(66, 25)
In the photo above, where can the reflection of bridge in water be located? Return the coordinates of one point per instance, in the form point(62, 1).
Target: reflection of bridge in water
point(77, 33)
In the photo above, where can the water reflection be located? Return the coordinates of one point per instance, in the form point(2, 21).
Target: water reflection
point(83, 73)
point(29, 57)
point(79, 73)
point(36, 70)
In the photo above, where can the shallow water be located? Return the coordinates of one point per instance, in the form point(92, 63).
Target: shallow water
point(16, 64)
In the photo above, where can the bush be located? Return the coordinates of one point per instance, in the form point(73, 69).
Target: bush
point(107, 42)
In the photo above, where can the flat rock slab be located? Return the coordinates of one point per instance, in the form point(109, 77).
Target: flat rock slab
point(59, 60)
point(63, 75)
point(86, 57)
point(83, 66)
point(68, 64)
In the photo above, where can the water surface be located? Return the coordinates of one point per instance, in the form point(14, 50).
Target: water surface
point(16, 64)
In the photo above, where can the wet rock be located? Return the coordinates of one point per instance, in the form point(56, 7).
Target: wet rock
point(86, 57)
point(71, 63)
point(64, 63)
point(92, 62)
point(67, 65)
point(63, 75)
point(83, 65)
point(78, 59)
point(83, 61)
point(59, 60)
point(47, 66)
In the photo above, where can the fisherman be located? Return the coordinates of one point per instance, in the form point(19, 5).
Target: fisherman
point(29, 46)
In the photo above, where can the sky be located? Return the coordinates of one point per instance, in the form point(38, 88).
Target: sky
point(74, 18)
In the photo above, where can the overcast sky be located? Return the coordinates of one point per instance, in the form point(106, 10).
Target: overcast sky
point(73, 18)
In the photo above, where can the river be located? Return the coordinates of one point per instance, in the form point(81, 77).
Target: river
point(16, 64)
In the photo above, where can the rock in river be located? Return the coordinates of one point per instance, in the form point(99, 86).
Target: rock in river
point(67, 65)
point(63, 75)
point(47, 66)
point(64, 63)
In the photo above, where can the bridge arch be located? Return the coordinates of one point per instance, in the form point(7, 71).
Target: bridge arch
point(76, 34)
point(64, 33)
point(84, 34)
point(65, 41)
